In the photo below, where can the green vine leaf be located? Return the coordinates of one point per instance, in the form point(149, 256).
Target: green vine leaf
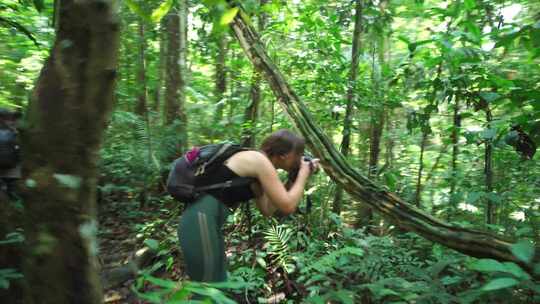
point(523, 250)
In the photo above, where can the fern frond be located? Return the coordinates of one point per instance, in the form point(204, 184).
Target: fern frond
point(278, 238)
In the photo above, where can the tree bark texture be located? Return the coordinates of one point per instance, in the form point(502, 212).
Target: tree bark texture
point(175, 74)
point(161, 67)
point(403, 214)
point(353, 73)
point(252, 111)
point(68, 112)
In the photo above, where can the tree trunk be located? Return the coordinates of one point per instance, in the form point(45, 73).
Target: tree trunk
point(140, 108)
point(418, 194)
point(389, 155)
point(353, 73)
point(220, 77)
point(455, 153)
point(161, 67)
point(404, 215)
point(364, 213)
point(175, 78)
point(488, 171)
point(66, 118)
point(252, 111)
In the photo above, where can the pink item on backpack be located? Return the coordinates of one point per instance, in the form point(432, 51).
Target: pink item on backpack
point(192, 154)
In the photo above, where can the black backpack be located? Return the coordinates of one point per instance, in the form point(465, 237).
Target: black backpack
point(196, 162)
point(9, 149)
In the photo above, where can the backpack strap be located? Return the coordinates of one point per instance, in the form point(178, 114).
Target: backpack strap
point(225, 151)
point(236, 182)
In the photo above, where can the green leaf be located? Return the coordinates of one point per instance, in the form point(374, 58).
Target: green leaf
point(523, 250)
point(506, 39)
point(4, 284)
point(162, 283)
point(488, 265)
point(515, 270)
point(38, 4)
point(474, 196)
point(470, 4)
point(68, 180)
point(500, 284)
point(261, 262)
point(488, 134)
point(474, 30)
point(489, 96)
point(493, 197)
point(345, 296)
point(136, 9)
point(161, 11)
point(228, 16)
point(152, 244)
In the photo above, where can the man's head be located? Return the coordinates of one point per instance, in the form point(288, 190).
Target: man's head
point(9, 117)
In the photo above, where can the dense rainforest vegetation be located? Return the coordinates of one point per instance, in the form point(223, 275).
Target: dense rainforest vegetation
point(425, 115)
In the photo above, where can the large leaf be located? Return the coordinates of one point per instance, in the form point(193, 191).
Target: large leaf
point(517, 271)
point(489, 96)
point(228, 16)
point(488, 265)
point(161, 11)
point(136, 9)
point(500, 284)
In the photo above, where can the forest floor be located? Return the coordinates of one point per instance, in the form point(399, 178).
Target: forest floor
point(123, 227)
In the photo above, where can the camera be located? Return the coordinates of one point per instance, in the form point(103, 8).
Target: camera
point(309, 159)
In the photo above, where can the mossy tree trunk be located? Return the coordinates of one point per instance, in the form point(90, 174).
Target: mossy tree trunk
point(403, 214)
point(67, 115)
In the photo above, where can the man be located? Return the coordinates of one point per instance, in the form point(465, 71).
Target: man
point(10, 165)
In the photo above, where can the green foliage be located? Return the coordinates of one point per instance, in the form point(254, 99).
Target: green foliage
point(167, 291)
point(156, 15)
point(277, 238)
point(8, 274)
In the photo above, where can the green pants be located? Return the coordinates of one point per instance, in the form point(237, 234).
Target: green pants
point(201, 239)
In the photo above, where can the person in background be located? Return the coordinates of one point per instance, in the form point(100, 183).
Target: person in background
point(10, 165)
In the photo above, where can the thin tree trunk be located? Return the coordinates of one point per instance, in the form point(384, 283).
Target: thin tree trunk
point(172, 84)
point(418, 194)
point(389, 155)
point(220, 76)
point(488, 170)
point(161, 68)
point(364, 213)
point(252, 111)
point(175, 80)
point(404, 215)
point(140, 108)
point(355, 54)
point(455, 153)
point(65, 122)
